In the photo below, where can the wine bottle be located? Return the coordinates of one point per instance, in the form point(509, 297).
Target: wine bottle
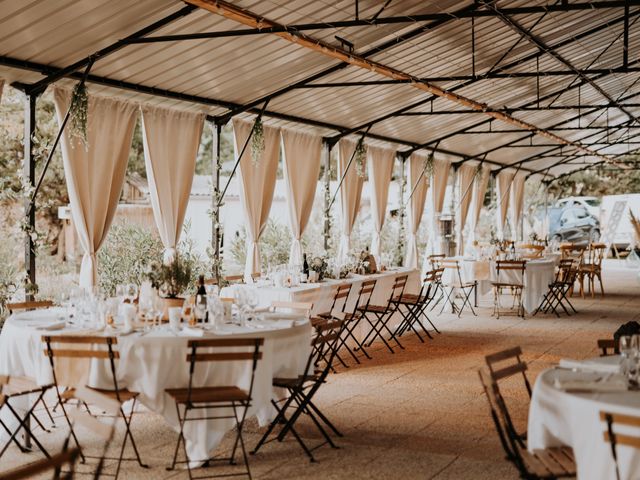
point(305, 265)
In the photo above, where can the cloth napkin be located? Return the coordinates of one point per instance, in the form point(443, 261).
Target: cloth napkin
point(612, 383)
point(589, 366)
point(53, 326)
point(192, 332)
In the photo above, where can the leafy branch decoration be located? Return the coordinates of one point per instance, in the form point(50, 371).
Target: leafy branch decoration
point(79, 114)
point(360, 157)
point(257, 142)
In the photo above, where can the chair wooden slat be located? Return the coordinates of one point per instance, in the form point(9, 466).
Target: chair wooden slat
point(622, 419)
point(561, 456)
point(33, 305)
point(622, 439)
point(223, 357)
point(503, 355)
point(509, 371)
point(80, 339)
point(68, 353)
point(226, 342)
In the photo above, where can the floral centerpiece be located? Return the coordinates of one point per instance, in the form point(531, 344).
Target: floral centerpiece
point(320, 266)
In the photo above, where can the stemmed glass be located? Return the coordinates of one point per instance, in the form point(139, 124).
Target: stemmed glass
point(201, 307)
point(627, 354)
point(131, 292)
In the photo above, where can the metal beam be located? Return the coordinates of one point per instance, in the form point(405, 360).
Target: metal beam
point(466, 78)
point(504, 68)
point(541, 108)
point(428, 17)
point(29, 174)
point(327, 71)
point(62, 72)
point(543, 47)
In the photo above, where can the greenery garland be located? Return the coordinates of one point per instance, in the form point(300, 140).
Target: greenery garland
point(360, 157)
point(78, 113)
point(257, 141)
point(427, 166)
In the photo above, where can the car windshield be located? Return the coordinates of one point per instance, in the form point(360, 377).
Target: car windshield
point(593, 202)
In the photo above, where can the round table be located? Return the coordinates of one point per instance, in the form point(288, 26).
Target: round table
point(560, 418)
point(154, 361)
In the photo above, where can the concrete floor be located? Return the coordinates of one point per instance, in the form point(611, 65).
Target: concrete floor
point(417, 414)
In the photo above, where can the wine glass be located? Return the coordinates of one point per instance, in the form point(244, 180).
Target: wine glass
point(131, 292)
point(121, 293)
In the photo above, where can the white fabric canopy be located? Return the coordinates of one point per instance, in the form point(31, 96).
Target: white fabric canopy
point(466, 175)
point(350, 194)
point(504, 180)
point(302, 153)
point(95, 175)
point(479, 190)
point(171, 140)
point(516, 203)
point(439, 180)
point(380, 161)
point(257, 183)
point(418, 183)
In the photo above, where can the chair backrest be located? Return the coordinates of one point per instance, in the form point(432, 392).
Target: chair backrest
point(430, 283)
point(256, 275)
point(302, 307)
point(454, 265)
point(82, 347)
point(340, 298)
point(34, 305)
point(223, 350)
point(324, 347)
point(570, 250)
point(365, 293)
point(596, 253)
point(630, 437)
point(234, 278)
point(517, 266)
point(66, 458)
point(399, 284)
point(532, 250)
point(436, 259)
point(502, 421)
point(608, 346)
point(507, 363)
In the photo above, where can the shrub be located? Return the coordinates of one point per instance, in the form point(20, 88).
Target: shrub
point(275, 243)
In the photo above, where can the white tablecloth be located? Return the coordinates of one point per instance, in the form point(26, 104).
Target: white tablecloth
point(151, 363)
point(321, 294)
point(558, 418)
point(538, 275)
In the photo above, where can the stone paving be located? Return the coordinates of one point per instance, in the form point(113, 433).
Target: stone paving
point(419, 413)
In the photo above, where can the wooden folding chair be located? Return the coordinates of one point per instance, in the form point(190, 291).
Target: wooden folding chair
point(531, 250)
point(34, 305)
point(338, 312)
point(90, 348)
point(234, 279)
point(378, 316)
point(352, 320)
point(608, 346)
point(20, 387)
point(457, 284)
point(301, 390)
point(615, 439)
point(413, 307)
point(436, 260)
point(558, 293)
point(210, 397)
point(547, 464)
point(515, 286)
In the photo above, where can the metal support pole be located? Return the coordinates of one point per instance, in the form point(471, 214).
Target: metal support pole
point(402, 213)
point(546, 211)
point(29, 173)
point(326, 161)
point(215, 220)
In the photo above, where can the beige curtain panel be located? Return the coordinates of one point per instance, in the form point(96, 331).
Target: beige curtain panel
point(439, 180)
point(171, 139)
point(257, 184)
point(380, 165)
point(466, 174)
point(516, 203)
point(418, 184)
point(95, 175)
point(504, 179)
point(350, 194)
point(480, 185)
point(302, 153)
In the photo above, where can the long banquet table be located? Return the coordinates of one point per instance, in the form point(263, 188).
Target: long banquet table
point(152, 362)
point(321, 294)
point(561, 418)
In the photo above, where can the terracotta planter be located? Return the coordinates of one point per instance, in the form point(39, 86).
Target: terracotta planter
point(170, 303)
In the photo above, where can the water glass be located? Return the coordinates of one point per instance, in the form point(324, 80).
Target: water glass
point(200, 307)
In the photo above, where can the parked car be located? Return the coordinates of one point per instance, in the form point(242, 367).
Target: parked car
point(592, 204)
point(573, 224)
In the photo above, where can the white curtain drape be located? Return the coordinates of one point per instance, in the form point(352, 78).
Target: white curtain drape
point(439, 180)
point(479, 190)
point(257, 184)
point(466, 174)
point(504, 180)
point(350, 195)
point(95, 175)
point(380, 161)
point(302, 153)
point(171, 139)
point(419, 184)
point(516, 203)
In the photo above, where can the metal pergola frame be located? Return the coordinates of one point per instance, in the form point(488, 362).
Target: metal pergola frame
point(432, 21)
